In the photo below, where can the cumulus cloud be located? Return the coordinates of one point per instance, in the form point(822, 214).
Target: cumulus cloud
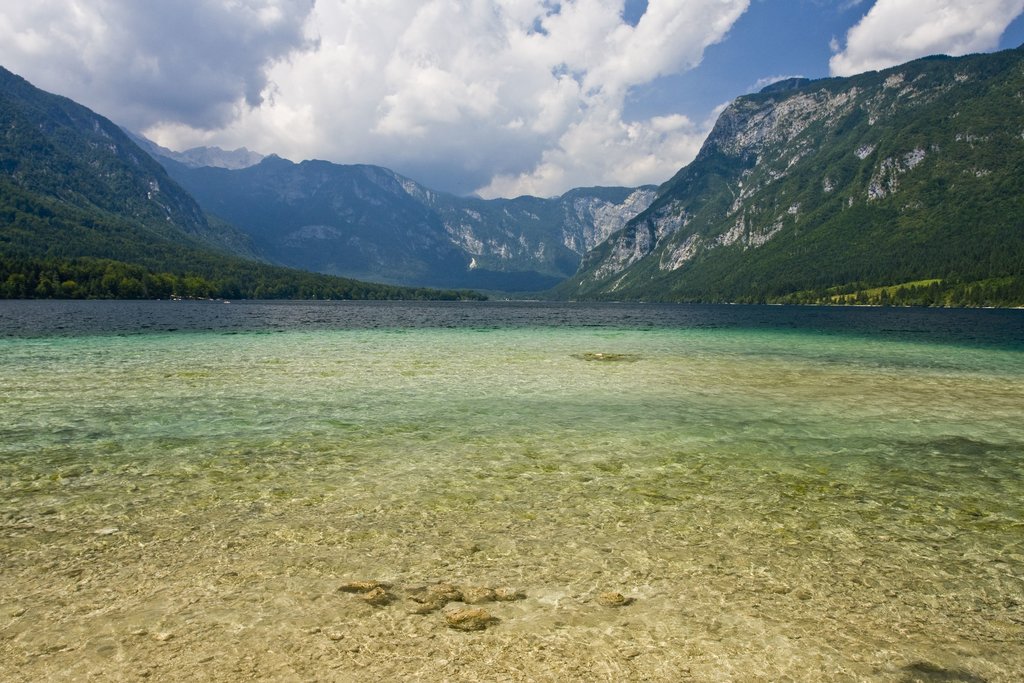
point(191, 61)
point(502, 97)
point(896, 31)
point(602, 149)
point(499, 96)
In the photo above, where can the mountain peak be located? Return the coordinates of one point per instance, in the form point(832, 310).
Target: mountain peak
point(219, 158)
point(199, 157)
point(785, 85)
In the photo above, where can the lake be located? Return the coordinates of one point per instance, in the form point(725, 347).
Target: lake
point(726, 493)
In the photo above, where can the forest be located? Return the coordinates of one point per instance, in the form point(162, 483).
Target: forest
point(95, 278)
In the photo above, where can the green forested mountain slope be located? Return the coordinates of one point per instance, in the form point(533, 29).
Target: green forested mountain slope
point(58, 153)
point(85, 212)
point(903, 186)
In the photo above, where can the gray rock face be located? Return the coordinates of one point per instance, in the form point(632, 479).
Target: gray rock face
point(547, 236)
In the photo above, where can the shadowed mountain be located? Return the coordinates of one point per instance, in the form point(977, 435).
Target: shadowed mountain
point(371, 223)
point(84, 212)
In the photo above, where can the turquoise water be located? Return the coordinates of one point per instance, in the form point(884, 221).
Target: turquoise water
point(778, 503)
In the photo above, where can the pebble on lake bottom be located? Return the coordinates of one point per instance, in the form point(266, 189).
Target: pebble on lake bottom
point(478, 594)
point(607, 357)
point(508, 594)
point(613, 599)
point(377, 597)
point(362, 586)
point(475, 619)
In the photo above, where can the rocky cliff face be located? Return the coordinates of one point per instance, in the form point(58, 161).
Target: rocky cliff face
point(810, 185)
point(590, 220)
point(368, 222)
point(546, 236)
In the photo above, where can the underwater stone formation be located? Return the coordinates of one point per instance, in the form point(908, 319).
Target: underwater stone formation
point(508, 594)
point(429, 599)
point(475, 619)
point(612, 599)
point(607, 357)
point(477, 595)
point(362, 586)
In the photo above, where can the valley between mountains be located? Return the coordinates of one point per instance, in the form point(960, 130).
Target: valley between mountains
point(903, 186)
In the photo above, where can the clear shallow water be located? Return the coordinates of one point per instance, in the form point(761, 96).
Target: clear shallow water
point(815, 494)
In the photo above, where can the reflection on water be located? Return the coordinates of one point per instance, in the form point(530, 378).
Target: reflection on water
point(776, 503)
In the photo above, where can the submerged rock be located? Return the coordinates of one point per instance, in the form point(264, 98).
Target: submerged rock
point(423, 607)
point(477, 595)
point(362, 586)
point(612, 599)
point(508, 594)
point(378, 597)
point(607, 357)
point(475, 619)
point(432, 598)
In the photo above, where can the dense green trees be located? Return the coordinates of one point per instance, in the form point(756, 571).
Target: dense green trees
point(50, 250)
point(994, 292)
point(93, 278)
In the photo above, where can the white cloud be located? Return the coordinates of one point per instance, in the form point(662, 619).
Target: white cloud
point(191, 61)
point(602, 149)
point(504, 96)
point(896, 31)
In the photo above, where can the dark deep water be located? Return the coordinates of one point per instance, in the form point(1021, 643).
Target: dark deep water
point(999, 328)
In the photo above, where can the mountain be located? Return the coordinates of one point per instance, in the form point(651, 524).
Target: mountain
point(547, 236)
point(57, 152)
point(904, 186)
point(371, 223)
point(197, 157)
point(85, 212)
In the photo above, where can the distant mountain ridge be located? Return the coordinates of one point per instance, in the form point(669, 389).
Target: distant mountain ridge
point(369, 222)
point(899, 186)
point(85, 212)
point(197, 157)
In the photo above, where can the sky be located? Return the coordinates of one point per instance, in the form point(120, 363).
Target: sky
point(487, 97)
